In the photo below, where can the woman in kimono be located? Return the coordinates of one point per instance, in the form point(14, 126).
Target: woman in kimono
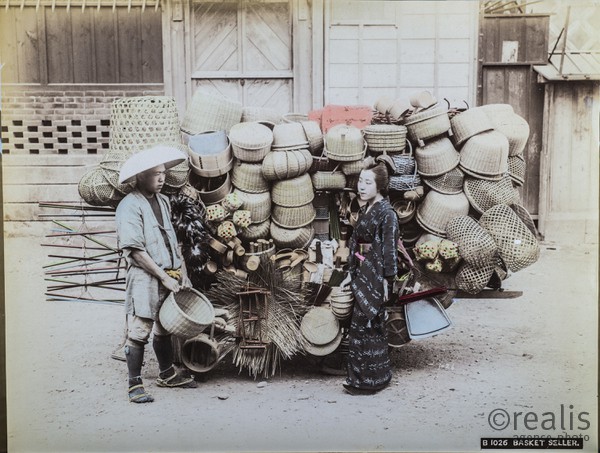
point(372, 270)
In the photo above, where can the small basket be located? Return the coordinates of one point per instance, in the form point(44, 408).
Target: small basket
point(293, 192)
point(485, 154)
point(517, 245)
point(323, 180)
point(345, 143)
point(259, 205)
point(427, 124)
point(449, 183)
point(403, 183)
point(352, 168)
point(297, 238)
point(176, 177)
point(95, 189)
point(249, 178)
point(469, 123)
point(472, 279)
point(438, 209)
point(437, 157)
point(293, 217)
point(405, 210)
point(517, 169)
point(209, 112)
point(211, 190)
point(279, 165)
point(314, 135)
point(475, 245)
point(484, 195)
point(250, 141)
point(255, 231)
point(405, 162)
point(385, 138)
point(186, 313)
point(211, 165)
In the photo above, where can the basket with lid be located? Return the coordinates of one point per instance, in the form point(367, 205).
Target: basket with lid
point(345, 143)
point(250, 141)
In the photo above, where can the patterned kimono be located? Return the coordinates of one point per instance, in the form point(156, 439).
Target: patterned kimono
point(369, 365)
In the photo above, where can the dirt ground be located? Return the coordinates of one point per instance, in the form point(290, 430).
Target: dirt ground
point(533, 354)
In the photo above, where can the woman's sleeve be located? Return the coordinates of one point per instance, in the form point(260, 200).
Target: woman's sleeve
point(389, 236)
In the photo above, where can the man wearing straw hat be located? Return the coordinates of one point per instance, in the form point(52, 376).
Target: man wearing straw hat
point(154, 267)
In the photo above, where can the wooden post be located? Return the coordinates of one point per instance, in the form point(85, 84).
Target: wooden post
point(174, 51)
point(545, 166)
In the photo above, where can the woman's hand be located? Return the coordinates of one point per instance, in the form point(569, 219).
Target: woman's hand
point(345, 282)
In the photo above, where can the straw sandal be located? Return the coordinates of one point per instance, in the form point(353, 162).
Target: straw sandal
point(137, 394)
point(176, 380)
point(358, 391)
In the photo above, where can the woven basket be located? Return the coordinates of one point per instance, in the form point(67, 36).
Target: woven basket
point(250, 141)
point(211, 164)
point(405, 210)
point(427, 124)
point(249, 178)
point(96, 191)
point(525, 217)
point(255, 231)
point(314, 135)
point(211, 190)
point(468, 124)
point(322, 163)
point(475, 245)
point(201, 353)
point(484, 194)
point(210, 112)
point(111, 170)
point(259, 205)
point(319, 326)
point(517, 245)
point(515, 128)
point(497, 109)
point(403, 183)
point(293, 192)
point(485, 154)
point(293, 217)
point(352, 168)
point(468, 172)
point(289, 135)
point(449, 183)
point(345, 143)
point(259, 114)
point(297, 238)
point(517, 169)
point(176, 177)
point(437, 157)
point(438, 209)
point(404, 163)
point(383, 138)
point(294, 117)
point(323, 180)
point(186, 313)
point(472, 279)
point(279, 165)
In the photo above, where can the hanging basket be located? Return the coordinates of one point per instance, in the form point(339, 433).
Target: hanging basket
point(475, 245)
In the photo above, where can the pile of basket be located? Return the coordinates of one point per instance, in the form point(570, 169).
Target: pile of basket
point(320, 331)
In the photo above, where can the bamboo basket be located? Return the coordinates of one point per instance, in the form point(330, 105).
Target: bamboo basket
point(186, 313)
point(260, 114)
point(403, 183)
point(293, 192)
point(259, 204)
point(405, 210)
point(211, 165)
point(293, 217)
point(322, 180)
point(319, 326)
point(475, 245)
point(352, 168)
point(485, 154)
point(469, 123)
point(95, 189)
point(176, 177)
point(385, 138)
point(289, 135)
point(314, 135)
point(211, 190)
point(280, 165)
point(484, 195)
point(437, 209)
point(449, 183)
point(294, 117)
point(517, 169)
point(255, 231)
point(249, 178)
point(297, 238)
point(209, 112)
point(250, 141)
point(515, 128)
point(404, 162)
point(473, 279)
point(437, 157)
point(427, 124)
point(345, 143)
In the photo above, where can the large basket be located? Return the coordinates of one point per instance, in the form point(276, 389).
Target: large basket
point(468, 124)
point(249, 178)
point(250, 141)
point(210, 112)
point(293, 217)
point(475, 245)
point(279, 165)
point(484, 194)
point(437, 157)
point(517, 245)
point(186, 313)
point(438, 209)
point(427, 124)
point(517, 169)
point(296, 238)
point(260, 114)
point(211, 190)
point(259, 205)
point(293, 192)
point(515, 128)
point(211, 165)
point(449, 183)
point(473, 279)
point(485, 154)
point(319, 326)
point(385, 138)
point(345, 143)
point(289, 135)
point(325, 180)
point(201, 353)
point(255, 231)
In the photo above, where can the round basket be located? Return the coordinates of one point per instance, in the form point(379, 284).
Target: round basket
point(517, 245)
point(472, 279)
point(321, 351)
point(449, 183)
point(186, 313)
point(345, 143)
point(475, 245)
point(201, 353)
point(427, 124)
point(176, 177)
point(468, 124)
point(210, 112)
point(405, 210)
point(352, 168)
point(438, 209)
point(319, 326)
point(249, 178)
point(205, 157)
point(289, 135)
point(525, 217)
point(314, 135)
point(397, 332)
point(324, 180)
point(209, 142)
point(259, 204)
point(383, 104)
point(279, 165)
point(96, 191)
point(515, 128)
point(403, 183)
point(484, 194)
point(437, 157)
point(293, 217)
point(111, 170)
point(297, 238)
point(211, 190)
point(250, 141)
point(255, 231)
point(260, 114)
point(294, 117)
point(293, 192)
point(492, 110)
point(385, 138)
point(485, 154)
point(517, 169)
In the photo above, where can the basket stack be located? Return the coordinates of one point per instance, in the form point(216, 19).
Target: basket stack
point(385, 138)
point(427, 124)
point(320, 331)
